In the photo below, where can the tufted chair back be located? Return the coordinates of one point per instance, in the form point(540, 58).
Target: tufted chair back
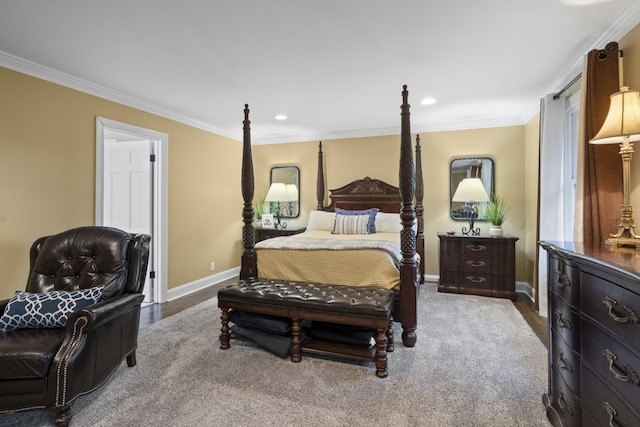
point(85, 257)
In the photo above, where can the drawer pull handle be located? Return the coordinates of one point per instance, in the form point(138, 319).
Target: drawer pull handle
point(631, 317)
point(476, 263)
point(611, 411)
point(625, 375)
point(563, 404)
point(563, 362)
point(563, 322)
point(562, 280)
point(476, 279)
point(476, 248)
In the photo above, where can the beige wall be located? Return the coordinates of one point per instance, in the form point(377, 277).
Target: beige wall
point(378, 157)
point(47, 178)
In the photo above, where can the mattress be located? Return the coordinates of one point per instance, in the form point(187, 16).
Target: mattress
point(336, 259)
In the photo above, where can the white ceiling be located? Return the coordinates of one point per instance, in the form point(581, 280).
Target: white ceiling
point(335, 68)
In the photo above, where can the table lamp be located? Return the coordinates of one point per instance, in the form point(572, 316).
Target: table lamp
point(470, 191)
point(622, 126)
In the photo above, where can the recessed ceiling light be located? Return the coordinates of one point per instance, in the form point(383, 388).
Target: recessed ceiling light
point(428, 101)
point(280, 117)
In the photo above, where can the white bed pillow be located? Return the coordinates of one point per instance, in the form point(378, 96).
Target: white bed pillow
point(390, 223)
point(321, 221)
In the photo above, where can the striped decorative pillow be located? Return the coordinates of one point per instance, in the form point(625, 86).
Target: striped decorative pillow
point(351, 224)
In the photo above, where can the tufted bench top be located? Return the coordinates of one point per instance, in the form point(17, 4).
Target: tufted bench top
point(364, 301)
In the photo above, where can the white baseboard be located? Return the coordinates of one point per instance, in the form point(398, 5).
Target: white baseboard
point(199, 284)
point(431, 278)
point(525, 289)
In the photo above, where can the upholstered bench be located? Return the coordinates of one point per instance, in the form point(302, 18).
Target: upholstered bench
point(357, 306)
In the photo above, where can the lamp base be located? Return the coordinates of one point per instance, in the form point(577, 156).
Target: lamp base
point(626, 235)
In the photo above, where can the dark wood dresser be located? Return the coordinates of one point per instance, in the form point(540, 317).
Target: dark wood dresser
point(478, 265)
point(594, 335)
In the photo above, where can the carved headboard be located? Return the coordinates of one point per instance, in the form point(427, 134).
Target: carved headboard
point(364, 194)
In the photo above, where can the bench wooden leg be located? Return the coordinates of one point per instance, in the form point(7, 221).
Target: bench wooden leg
point(296, 343)
point(390, 346)
point(224, 331)
point(381, 354)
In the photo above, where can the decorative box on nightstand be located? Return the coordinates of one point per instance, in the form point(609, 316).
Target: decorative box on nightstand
point(478, 265)
point(268, 233)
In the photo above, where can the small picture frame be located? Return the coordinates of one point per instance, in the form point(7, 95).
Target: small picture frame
point(267, 221)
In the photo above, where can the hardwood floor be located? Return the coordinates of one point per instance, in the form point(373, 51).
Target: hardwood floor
point(156, 312)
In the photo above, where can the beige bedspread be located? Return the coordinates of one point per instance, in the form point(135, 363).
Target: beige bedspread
point(283, 258)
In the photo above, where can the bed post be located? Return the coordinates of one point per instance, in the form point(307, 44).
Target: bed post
point(419, 208)
point(248, 266)
point(320, 180)
point(408, 267)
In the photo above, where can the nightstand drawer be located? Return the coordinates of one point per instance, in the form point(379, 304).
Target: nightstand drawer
point(475, 249)
point(473, 280)
point(268, 233)
point(476, 266)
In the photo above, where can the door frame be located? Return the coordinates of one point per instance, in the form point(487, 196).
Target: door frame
point(159, 257)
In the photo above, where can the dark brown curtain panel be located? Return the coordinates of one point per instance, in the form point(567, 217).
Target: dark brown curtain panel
point(603, 164)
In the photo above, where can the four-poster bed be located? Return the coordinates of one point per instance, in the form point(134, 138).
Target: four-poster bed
point(358, 195)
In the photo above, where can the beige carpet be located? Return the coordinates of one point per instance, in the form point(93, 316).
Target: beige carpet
point(476, 363)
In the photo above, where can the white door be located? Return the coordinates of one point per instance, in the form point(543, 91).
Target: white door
point(128, 196)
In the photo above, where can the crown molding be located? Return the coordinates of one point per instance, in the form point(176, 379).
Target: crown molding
point(32, 69)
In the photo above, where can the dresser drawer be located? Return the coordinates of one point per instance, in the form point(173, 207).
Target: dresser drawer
point(619, 367)
point(473, 280)
point(475, 249)
point(564, 280)
point(565, 322)
point(567, 405)
point(566, 361)
point(603, 406)
point(614, 307)
point(476, 265)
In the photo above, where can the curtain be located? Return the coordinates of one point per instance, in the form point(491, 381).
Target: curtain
point(602, 181)
point(550, 204)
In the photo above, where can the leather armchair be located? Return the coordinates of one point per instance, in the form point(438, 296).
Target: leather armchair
point(50, 368)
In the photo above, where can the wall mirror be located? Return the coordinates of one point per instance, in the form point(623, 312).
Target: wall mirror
point(470, 167)
point(290, 176)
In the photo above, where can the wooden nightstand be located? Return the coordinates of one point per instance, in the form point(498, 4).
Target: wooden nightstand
point(268, 233)
point(478, 265)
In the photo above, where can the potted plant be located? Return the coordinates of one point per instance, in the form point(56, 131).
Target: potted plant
point(495, 211)
point(260, 207)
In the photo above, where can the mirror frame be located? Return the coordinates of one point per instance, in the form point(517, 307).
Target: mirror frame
point(288, 175)
point(456, 177)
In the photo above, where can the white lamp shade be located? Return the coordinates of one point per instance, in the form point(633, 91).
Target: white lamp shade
point(293, 192)
point(471, 190)
point(277, 193)
point(623, 119)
